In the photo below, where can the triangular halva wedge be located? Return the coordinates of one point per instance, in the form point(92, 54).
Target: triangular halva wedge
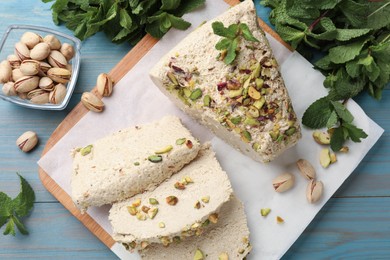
point(228, 238)
point(130, 161)
point(245, 103)
point(178, 208)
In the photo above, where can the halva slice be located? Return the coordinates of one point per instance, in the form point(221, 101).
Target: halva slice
point(130, 161)
point(229, 237)
point(244, 103)
point(178, 208)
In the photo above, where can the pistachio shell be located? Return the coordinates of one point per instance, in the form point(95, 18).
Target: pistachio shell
point(16, 74)
point(46, 83)
point(26, 84)
point(59, 75)
point(104, 85)
point(92, 102)
point(14, 61)
point(29, 67)
point(30, 39)
point(8, 89)
point(21, 51)
point(43, 98)
point(35, 92)
point(40, 51)
point(57, 60)
point(53, 42)
point(27, 141)
point(58, 94)
point(307, 170)
point(5, 71)
point(67, 50)
point(44, 66)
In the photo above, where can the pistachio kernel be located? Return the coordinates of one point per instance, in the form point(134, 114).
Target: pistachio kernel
point(290, 131)
point(86, 150)
point(176, 239)
point(140, 216)
point(172, 200)
point(136, 203)
point(161, 225)
point(197, 205)
point(181, 141)
point(155, 158)
point(196, 94)
point(236, 120)
point(166, 149)
point(265, 211)
point(198, 255)
point(206, 223)
point(189, 144)
point(241, 251)
point(180, 186)
point(223, 256)
point(144, 244)
point(188, 179)
point(206, 199)
point(152, 212)
point(172, 78)
point(246, 136)
point(145, 209)
point(136, 164)
point(207, 101)
point(132, 210)
point(279, 220)
point(153, 201)
point(213, 218)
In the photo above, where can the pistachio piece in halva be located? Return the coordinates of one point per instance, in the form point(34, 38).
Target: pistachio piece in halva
point(46, 83)
point(223, 256)
point(104, 85)
point(92, 102)
point(306, 169)
point(40, 51)
point(30, 39)
point(198, 255)
point(5, 71)
point(333, 158)
point(22, 51)
point(52, 41)
point(321, 137)
point(67, 50)
point(59, 75)
point(29, 67)
point(16, 74)
point(26, 84)
point(314, 191)
point(14, 61)
point(57, 60)
point(283, 182)
point(325, 157)
point(27, 141)
point(8, 89)
point(58, 94)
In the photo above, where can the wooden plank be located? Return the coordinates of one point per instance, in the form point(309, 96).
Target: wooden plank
point(334, 234)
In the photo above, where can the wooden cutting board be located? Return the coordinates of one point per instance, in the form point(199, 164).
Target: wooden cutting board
point(79, 111)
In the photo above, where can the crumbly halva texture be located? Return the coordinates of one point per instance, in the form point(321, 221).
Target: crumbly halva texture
point(230, 236)
point(245, 103)
point(173, 212)
point(130, 161)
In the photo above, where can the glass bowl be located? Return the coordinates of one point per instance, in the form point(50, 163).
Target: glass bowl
point(13, 35)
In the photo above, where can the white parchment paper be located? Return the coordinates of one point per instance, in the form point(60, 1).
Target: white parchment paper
point(136, 100)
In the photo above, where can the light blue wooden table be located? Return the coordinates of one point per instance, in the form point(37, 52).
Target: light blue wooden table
point(354, 224)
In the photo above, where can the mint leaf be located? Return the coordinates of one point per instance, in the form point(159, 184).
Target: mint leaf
point(24, 202)
point(347, 52)
point(170, 4)
point(246, 33)
point(10, 228)
point(354, 12)
point(19, 225)
point(220, 30)
point(231, 52)
point(223, 44)
point(342, 112)
point(379, 14)
point(289, 34)
point(189, 6)
point(5, 206)
point(317, 114)
point(356, 134)
point(178, 22)
point(352, 68)
point(348, 34)
point(125, 19)
point(337, 139)
point(333, 119)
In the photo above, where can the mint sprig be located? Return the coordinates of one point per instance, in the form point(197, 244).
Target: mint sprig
point(231, 39)
point(12, 210)
point(122, 21)
point(353, 37)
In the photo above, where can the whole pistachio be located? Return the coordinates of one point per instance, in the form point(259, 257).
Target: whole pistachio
point(29, 67)
point(44, 66)
point(27, 141)
point(69, 67)
point(53, 42)
point(104, 85)
point(314, 191)
point(17, 74)
point(67, 50)
point(26, 84)
point(5, 71)
point(46, 83)
point(58, 94)
point(8, 89)
point(42, 98)
point(283, 182)
point(30, 39)
point(59, 75)
point(307, 170)
point(35, 92)
point(14, 61)
point(57, 60)
point(22, 51)
point(92, 102)
point(40, 51)
point(22, 95)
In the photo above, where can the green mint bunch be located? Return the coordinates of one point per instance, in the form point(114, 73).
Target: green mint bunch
point(231, 38)
point(12, 210)
point(122, 20)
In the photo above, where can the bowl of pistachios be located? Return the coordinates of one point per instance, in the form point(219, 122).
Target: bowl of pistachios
point(38, 67)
